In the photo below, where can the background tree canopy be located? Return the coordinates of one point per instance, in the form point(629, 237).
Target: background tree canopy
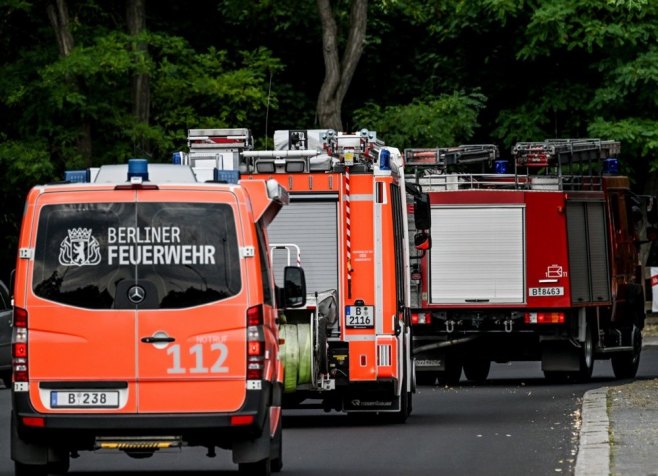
point(431, 73)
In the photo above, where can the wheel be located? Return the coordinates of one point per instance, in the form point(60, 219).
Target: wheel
point(586, 356)
point(5, 376)
point(21, 469)
point(555, 376)
point(425, 378)
point(476, 369)
point(276, 458)
point(625, 365)
point(453, 372)
point(59, 467)
point(259, 468)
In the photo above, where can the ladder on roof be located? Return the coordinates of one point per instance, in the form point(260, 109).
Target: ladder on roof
point(443, 157)
point(558, 152)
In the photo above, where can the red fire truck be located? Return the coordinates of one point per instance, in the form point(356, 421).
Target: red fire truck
point(539, 262)
point(349, 348)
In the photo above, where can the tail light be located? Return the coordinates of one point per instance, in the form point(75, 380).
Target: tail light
point(255, 343)
point(19, 346)
point(421, 318)
point(544, 318)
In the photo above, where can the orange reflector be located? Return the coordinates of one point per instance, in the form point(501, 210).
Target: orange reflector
point(242, 420)
point(34, 421)
point(544, 318)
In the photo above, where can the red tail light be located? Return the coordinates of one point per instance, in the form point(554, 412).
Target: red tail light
point(20, 317)
point(255, 343)
point(421, 318)
point(19, 348)
point(255, 316)
point(544, 318)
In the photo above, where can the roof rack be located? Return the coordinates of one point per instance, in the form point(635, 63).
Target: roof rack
point(443, 157)
point(557, 152)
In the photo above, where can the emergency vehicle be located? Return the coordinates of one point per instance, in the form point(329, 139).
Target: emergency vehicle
point(349, 348)
point(145, 319)
point(536, 263)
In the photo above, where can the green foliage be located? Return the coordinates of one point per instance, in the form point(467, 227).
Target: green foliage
point(442, 121)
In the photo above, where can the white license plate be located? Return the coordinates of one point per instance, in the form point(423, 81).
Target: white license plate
point(548, 291)
point(360, 316)
point(84, 399)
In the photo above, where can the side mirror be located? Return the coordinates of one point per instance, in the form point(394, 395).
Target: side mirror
point(422, 215)
point(423, 241)
point(294, 288)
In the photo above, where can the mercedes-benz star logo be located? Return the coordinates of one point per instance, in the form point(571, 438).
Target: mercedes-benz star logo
point(136, 294)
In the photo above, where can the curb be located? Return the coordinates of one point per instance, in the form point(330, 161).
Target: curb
point(594, 447)
point(593, 457)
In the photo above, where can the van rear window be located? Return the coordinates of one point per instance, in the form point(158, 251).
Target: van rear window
point(136, 255)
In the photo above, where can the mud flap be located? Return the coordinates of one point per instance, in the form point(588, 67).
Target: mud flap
point(257, 449)
point(559, 356)
point(26, 453)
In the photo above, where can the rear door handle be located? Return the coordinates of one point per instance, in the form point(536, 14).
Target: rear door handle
point(157, 340)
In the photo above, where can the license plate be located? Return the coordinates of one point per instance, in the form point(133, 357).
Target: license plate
point(84, 399)
point(360, 316)
point(548, 291)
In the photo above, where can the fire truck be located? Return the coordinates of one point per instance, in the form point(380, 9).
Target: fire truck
point(349, 348)
point(539, 262)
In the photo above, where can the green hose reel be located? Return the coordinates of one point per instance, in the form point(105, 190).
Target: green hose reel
point(297, 354)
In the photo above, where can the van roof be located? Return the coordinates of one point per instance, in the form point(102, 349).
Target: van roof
point(158, 173)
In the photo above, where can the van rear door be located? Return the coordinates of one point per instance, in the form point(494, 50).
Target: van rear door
point(191, 320)
point(138, 304)
point(82, 348)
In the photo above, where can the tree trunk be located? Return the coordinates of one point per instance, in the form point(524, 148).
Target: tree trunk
point(338, 75)
point(58, 14)
point(141, 92)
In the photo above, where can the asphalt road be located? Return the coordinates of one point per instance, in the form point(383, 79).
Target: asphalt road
point(516, 424)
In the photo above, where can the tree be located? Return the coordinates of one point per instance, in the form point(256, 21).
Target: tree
point(58, 14)
point(140, 90)
point(339, 73)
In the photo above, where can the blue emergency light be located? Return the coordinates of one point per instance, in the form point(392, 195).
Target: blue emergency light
point(226, 176)
point(177, 158)
point(138, 168)
point(500, 166)
point(384, 159)
point(77, 176)
point(611, 166)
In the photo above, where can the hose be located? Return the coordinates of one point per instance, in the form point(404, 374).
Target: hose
point(290, 354)
point(297, 352)
point(305, 353)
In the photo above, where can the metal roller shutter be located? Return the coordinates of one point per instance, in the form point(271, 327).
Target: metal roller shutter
point(313, 226)
point(477, 255)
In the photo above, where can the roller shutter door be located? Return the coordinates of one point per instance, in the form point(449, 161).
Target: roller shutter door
point(313, 226)
point(477, 255)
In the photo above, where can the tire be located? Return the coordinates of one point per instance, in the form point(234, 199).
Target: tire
point(556, 376)
point(21, 469)
point(625, 365)
point(276, 458)
point(259, 468)
point(453, 372)
point(5, 376)
point(586, 356)
point(425, 378)
point(60, 467)
point(477, 370)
